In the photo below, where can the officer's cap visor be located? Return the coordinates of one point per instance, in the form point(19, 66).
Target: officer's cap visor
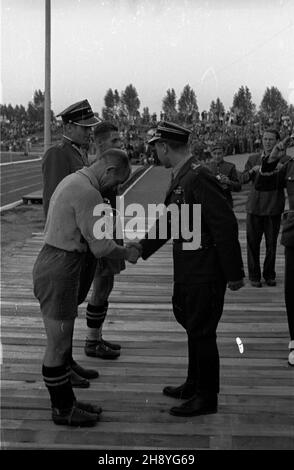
point(153, 140)
point(93, 121)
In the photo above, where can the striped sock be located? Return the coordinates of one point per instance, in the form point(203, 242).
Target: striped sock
point(57, 380)
point(95, 316)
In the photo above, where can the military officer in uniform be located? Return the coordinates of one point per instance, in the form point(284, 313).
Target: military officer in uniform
point(200, 275)
point(58, 162)
point(224, 171)
point(69, 155)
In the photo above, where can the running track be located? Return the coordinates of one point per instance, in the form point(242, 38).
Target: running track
point(19, 179)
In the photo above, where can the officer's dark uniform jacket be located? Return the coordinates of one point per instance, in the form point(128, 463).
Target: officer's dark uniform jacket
point(227, 169)
point(58, 162)
point(220, 253)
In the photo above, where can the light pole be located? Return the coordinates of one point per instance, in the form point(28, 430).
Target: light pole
point(47, 104)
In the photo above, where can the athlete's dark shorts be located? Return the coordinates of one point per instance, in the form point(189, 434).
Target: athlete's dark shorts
point(62, 280)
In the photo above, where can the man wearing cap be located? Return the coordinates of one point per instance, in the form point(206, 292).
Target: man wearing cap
point(68, 156)
point(60, 161)
point(224, 171)
point(264, 210)
point(74, 227)
point(200, 275)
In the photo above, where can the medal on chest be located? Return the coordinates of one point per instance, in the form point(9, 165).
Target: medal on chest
point(179, 195)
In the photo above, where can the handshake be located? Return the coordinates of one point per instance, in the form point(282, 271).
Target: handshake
point(133, 252)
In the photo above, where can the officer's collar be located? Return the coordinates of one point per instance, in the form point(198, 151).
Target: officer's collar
point(182, 169)
point(71, 142)
point(176, 169)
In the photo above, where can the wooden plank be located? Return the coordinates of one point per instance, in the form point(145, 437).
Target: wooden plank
point(205, 426)
point(225, 416)
point(249, 404)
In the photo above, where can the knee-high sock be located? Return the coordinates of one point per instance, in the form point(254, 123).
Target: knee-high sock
point(95, 316)
point(57, 380)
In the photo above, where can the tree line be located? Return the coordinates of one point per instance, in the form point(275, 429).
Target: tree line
point(34, 112)
point(124, 108)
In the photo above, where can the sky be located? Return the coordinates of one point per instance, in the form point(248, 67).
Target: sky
point(215, 46)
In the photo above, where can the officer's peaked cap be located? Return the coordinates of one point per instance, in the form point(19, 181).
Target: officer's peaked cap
point(79, 113)
point(170, 131)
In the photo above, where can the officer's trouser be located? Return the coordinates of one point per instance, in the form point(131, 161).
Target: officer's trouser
point(198, 308)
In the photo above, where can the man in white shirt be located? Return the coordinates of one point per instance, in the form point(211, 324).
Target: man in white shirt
point(64, 269)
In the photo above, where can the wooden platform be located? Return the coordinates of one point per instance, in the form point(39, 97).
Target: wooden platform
point(256, 406)
point(34, 198)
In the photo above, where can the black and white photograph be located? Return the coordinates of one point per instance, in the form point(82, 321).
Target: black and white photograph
point(147, 232)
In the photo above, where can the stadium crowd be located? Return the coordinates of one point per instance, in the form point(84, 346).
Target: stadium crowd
point(21, 129)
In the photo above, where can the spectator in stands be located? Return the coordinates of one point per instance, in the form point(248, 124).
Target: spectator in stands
point(268, 179)
point(224, 171)
point(263, 216)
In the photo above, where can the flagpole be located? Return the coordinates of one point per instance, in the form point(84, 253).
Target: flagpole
point(47, 104)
